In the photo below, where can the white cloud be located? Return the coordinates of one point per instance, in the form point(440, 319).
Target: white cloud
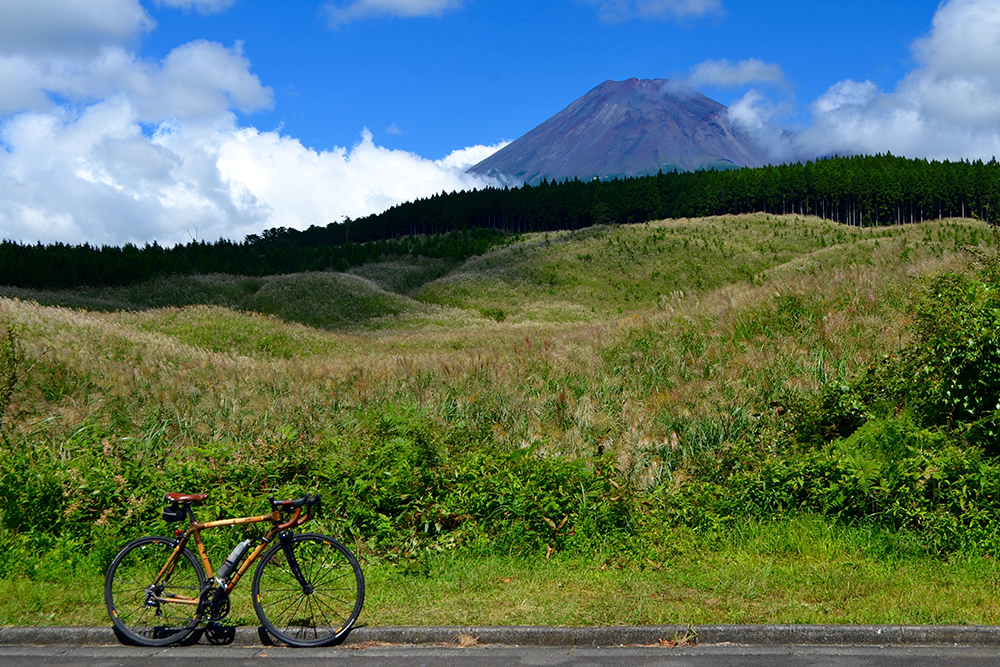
point(340, 13)
point(203, 78)
point(19, 85)
point(618, 11)
point(751, 115)
point(464, 158)
point(300, 186)
point(846, 94)
point(726, 74)
point(948, 107)
point(96, 177)
point(69, 26)
point(99, 145)
point(751, 111)
point(198, 79)
point(201, 6)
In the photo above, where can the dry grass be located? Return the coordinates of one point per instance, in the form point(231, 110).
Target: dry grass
point(683, 375)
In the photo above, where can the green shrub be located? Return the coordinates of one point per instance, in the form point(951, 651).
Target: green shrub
point(411, 490)
point(836, 412)
point(952, 371)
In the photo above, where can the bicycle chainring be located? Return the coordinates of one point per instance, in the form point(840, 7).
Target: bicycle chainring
point(214, 604)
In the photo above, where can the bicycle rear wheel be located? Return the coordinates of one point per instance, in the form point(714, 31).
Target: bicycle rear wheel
point(320, 607)
point(147, 614)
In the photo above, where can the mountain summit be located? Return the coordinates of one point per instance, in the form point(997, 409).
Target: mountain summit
point(627, 128)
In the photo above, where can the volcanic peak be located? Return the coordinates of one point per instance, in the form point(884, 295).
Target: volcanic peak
point(627, 128)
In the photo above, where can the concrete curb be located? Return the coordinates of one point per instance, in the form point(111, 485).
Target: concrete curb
point(750, 635)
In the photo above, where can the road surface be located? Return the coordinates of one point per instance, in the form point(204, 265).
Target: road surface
point(497, 656)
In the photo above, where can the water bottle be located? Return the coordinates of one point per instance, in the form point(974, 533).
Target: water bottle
point(234, 559)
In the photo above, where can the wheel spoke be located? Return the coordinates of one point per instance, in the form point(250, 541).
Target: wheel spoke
point(128, 590)
point(335, 586)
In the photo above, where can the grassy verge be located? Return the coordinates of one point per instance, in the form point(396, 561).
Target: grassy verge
point(792, 571)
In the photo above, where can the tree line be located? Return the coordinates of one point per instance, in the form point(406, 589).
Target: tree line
point(859, 190)
point(275, 251)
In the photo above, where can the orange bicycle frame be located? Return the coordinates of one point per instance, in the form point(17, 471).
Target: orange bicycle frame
point(194, 530)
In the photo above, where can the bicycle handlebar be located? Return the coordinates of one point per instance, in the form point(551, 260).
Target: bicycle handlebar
point(296, 503)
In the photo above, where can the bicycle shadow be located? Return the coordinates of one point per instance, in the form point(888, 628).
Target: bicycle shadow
point(267, 640)
point(220, 635)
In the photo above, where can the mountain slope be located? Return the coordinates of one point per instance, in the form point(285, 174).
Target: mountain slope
point(627, 128)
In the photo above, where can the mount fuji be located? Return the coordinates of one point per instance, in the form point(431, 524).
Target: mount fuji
point(627, 128)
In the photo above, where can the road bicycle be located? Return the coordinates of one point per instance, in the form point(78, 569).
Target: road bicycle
point(308, 589)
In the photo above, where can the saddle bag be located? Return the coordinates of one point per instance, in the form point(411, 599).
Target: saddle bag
point(174, 512)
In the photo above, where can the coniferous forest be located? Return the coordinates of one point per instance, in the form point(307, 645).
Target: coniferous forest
point(859, 191)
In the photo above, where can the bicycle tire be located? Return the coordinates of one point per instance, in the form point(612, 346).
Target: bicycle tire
point(128, 592)
point(318, 617)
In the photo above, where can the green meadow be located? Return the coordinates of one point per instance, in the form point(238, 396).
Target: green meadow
point(745, 418)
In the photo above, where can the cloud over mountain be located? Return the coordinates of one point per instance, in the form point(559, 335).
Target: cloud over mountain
point(947, 107)
point(726, 74)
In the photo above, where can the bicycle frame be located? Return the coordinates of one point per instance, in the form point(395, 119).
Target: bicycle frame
point(194, 531)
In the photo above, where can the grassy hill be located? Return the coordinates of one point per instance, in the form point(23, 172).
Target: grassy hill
point(611, 270)
point(613, 406)
point(318, 299)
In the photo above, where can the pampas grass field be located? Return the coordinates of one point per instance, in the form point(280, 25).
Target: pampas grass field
point(659, 351)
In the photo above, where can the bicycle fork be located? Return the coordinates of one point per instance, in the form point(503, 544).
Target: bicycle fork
point(293, 563)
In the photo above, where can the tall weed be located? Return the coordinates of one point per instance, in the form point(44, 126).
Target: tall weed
point(700, 409)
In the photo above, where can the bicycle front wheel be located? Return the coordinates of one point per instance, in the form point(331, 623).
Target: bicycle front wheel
point(308, 592)
point(148, 613)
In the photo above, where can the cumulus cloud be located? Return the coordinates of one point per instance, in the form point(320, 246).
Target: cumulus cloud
point(619, 11)
point(340, 13)
point(296, 186)
point(99, 145)
point(98, 177)
point(752, 115)
point(751, 111)
point(195, 79)
point(846, 94)
point(947, 107)
point(69, 26)
point(465, 158)
point(726, 74)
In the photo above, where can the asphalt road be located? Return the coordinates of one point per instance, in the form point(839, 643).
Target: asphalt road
point(497, 656)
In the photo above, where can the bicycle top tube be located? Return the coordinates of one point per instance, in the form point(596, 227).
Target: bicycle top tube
point(301, 509)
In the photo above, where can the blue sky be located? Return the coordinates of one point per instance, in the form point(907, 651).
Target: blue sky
point(485, 71)
point(171, 120)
